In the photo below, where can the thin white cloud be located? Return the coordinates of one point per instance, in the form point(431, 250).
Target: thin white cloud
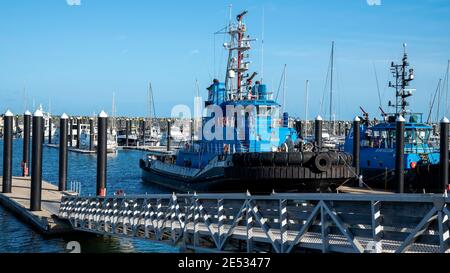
point(73, 2)
point(194, 52)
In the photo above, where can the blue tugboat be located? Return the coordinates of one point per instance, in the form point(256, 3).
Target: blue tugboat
point(377, 158)
point(245, 143)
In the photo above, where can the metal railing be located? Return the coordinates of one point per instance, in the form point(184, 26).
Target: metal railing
point(75, 187)
point(280, 223)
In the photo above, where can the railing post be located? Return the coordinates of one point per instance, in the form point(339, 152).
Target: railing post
point(318, 132)
point(444, 156)
point(63, 124)
point(7, 151)
point(399, 154)
point(101, 153)
point(26, 144)
point(283, 225)
point(356, 144)
point(36, 160)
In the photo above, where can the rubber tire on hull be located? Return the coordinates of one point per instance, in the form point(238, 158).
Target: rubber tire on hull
point(322, 162)
point(238, 159)
point(266, 159)
point(280, 159)
point(295, 159)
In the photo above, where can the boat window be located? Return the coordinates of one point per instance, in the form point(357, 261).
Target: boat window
point(265, 111)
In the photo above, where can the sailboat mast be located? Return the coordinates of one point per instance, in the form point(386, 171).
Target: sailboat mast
point(150, 105)
point(446, 88)
point(306, 108)
point(262, 44)
point(284, 88)
point(331, 81)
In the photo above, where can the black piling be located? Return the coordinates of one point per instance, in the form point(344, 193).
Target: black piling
point(7, 151)
point(168, 134)
point(63, 124)
point(101, 153)
point(399, 154)
point(36, 160)
point(71, 133)
point(356, 144)
point(50, 131)
point(78, 132)
point(444, 157)
point(91, 134)
point(318, 132)
point(26, 144)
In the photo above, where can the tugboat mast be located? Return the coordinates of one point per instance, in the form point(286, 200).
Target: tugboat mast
point(403, 77)
point(237, 83)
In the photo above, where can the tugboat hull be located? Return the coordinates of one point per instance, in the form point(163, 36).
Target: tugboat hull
point(256, 179)
point(423, 178)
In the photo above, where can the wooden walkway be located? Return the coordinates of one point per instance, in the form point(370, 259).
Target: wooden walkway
point(47, 220)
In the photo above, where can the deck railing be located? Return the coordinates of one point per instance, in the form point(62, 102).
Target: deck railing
point(280, 223)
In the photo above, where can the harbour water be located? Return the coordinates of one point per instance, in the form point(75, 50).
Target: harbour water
point(123, 174)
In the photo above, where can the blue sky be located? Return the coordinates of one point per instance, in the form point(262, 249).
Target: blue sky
point(77, 56)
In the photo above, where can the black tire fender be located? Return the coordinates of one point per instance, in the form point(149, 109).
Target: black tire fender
point(322, 162)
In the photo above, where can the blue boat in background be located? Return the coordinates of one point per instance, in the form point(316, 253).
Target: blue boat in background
point(244, 141)
point(377, 157)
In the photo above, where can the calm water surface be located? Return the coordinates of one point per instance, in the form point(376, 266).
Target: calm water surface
point(123, 173)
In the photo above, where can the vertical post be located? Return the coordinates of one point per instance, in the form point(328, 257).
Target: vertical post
point(127, 132)
point(26, 144)
point(78, 132)
point(71, 133)
point(36, 160)
point(318, 132)
point(399, 154)
point(91, 134)
point(101, 153)
point(168, 134)
point(63, 124)
point(43, 131)
point(7, 151)
point(356, 144)
point(444, 157)
point(50, 130)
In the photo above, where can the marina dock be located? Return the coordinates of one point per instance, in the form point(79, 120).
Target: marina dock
point(279, 223)
point(71, 149)
point(47, 220)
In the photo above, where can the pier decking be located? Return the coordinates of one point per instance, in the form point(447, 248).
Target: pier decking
point(47, 220)
point(281, 223)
